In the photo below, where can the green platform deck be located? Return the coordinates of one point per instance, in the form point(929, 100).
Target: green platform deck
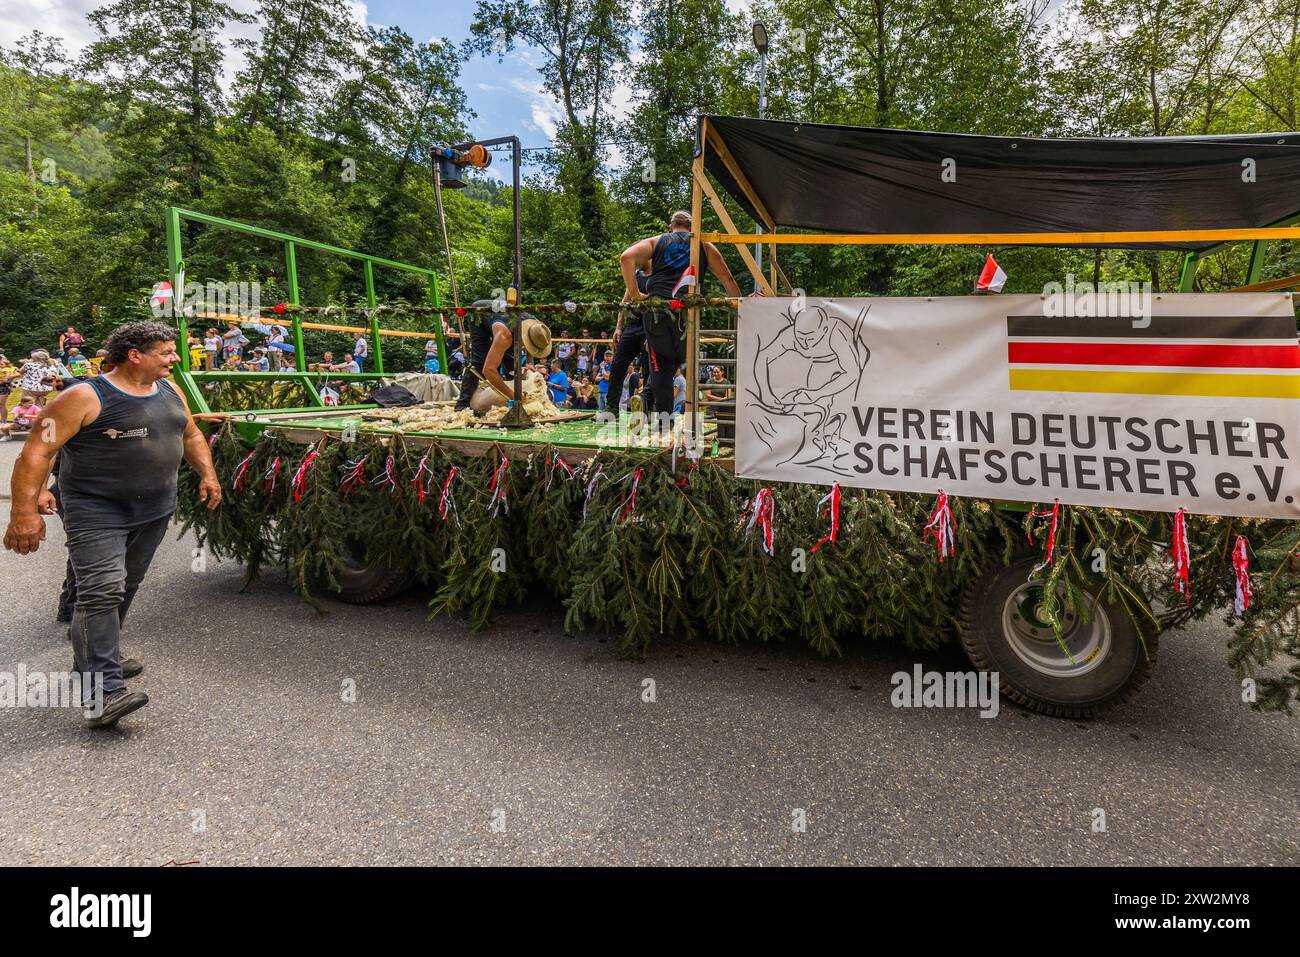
point(582, 434)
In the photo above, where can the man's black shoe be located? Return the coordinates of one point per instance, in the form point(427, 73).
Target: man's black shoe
point(117, 706)
point(130, 667)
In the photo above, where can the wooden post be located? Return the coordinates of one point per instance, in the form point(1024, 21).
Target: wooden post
point(693, 425)
point(702, 182)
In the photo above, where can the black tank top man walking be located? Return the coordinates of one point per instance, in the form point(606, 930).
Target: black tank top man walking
point(120, 470)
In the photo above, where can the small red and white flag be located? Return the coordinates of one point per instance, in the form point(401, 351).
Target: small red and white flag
point(992, 278)
point(687, 280)
point(162, 294)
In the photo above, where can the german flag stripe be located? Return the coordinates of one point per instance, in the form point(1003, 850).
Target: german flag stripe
point(1159, 327)
point(1159, 354)
point(1157, 383)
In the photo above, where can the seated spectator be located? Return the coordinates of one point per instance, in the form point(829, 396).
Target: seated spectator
point(558, 384)
point(586, 393)
point(24, 415)
point(196, 349)
point(325, 365)
point(99, 363)
point(259, 362)
point(78, 364)
point(430, 350)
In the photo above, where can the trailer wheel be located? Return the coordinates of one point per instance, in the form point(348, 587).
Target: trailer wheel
point(361, 582)
point(1001, 631)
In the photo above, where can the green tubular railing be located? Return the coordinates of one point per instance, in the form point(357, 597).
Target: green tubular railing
point(188, 377)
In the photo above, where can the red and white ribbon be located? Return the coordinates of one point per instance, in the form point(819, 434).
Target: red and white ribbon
point(557, 461)
point(271, 474)
point(1241, 568)
point(389, 476)
point(591, 488)
point(355, 475)
point(447, 503)
point(943, 527)
point(762, 512)
point(241, 473)
point(500, 495)
point(417, 483)
point(1055, 513)
point(212, 439)
point(298, 483)
point(685, 479)
point(831, 502)
point(1182, 556)
point(625, 508)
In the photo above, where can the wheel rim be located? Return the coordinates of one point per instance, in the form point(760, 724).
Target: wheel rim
point(1087, 642)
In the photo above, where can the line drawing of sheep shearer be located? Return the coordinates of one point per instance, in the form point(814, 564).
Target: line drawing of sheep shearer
point(806, 378)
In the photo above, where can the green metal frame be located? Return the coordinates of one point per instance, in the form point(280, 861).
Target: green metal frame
point(188, 377)
point(1187, 281)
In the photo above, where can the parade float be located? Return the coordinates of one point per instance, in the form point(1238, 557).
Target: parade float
point(1050, 488)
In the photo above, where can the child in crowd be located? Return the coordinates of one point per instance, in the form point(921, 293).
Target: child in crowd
point(24, 414)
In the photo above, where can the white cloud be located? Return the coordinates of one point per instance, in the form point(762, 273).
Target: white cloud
point(66, 19)
point(61, 18)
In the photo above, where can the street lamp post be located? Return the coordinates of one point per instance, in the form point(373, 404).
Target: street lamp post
point(760, 44)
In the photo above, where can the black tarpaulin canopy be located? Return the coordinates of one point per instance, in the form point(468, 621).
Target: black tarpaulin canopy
point(850, 179)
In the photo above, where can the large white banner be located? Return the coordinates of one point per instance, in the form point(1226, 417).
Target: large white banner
point(1196, 404)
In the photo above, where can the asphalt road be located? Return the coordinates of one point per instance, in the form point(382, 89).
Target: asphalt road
point(248, 754)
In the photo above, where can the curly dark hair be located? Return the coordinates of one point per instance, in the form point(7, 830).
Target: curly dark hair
point(142, 335)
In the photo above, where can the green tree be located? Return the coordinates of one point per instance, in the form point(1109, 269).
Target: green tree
point(294, 67)
point(582, 44)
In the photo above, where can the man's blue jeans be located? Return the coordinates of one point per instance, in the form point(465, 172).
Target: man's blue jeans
point(109, 564)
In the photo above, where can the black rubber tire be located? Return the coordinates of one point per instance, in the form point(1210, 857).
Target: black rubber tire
point(1117, 678)
point(362, 583)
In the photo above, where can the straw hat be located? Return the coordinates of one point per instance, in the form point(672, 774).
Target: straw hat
point(536, 336)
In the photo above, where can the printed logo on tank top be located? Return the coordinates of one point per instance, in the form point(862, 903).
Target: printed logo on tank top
point(128, 433)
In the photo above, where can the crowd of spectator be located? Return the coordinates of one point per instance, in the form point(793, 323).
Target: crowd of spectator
point(27, 384)
point(577, 377)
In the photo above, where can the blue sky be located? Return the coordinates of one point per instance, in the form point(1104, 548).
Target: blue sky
point(507, 97)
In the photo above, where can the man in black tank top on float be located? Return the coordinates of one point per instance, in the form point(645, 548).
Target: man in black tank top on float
point(665, 259)
point(629, 344)
point(120, 438)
